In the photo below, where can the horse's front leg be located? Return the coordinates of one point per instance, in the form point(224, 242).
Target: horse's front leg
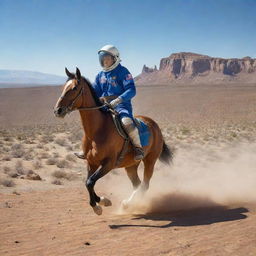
point(93, 176)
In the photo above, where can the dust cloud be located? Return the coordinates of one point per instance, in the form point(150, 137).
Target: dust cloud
point(200, 176)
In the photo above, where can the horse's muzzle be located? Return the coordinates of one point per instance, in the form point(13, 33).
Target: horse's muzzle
point(60, 112)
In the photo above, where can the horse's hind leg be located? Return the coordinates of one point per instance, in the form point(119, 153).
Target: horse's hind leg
point(132, 172)
point(149, 164)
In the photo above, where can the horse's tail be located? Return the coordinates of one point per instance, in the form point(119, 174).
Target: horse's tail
point(166, 155)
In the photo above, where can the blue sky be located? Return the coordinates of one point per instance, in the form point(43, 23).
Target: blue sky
point(47, 35)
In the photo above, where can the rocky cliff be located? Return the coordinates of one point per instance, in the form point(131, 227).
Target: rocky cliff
point(190, 67)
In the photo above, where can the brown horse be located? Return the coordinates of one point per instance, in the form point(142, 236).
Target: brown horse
point(102, 143)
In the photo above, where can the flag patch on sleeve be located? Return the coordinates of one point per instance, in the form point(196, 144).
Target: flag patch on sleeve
point(128, 77)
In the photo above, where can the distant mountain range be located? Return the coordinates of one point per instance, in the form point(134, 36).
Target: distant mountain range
point(193, 68)
point(24, 78)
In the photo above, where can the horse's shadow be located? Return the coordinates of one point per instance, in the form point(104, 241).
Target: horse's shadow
point(186, 210)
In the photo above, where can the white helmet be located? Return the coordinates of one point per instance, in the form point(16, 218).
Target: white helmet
point(109, 50)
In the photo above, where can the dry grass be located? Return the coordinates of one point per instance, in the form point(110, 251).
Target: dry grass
point(31, 175)
point(29, 154)
point(56, 154)
point(69, 147)
point(63, 163)
point(6, 158)
point(37, 164)
point(46, 138)
point(19, 168)
point(61, 142)
point(6, 169)
point(57, 182)
point(7, 182)
point(10, 172)
point(51, 161)
point(71, 158)
point(60, 174)
point(18, 150)
point(40, 146)
point(76, 135)
point(44, 155)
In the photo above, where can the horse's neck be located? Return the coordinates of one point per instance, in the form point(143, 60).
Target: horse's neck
point(92, 120)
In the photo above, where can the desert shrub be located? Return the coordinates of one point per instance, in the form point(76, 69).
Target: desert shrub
point(19, 168)
point(6, 149)
point(47, 138)
point(61, 141)
point(71, 158)
point(37, 164)
point(46, 148)
point(10, 172)
point(6, 169)
point(13, 174)
point(185, 130)
point(7, 182)
point(7, 138)
point(56, 182)
point(44, 155)
point(51, 161)
point(69, 147)
point(77, 146)
point(31, 175)
point(6, 158)
point(75, 136)
point(40, 146)
point(17, 150)
point(29, 154)
point(63, 164)
point(59, 174)
point(56, 154)
point(29, 141)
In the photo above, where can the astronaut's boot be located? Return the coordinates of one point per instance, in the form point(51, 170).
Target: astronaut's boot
point(133, 133)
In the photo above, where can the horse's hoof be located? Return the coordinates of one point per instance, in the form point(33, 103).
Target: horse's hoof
point(104, 201)
point(97, 209)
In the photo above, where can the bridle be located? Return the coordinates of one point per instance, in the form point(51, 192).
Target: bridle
point(81, 92)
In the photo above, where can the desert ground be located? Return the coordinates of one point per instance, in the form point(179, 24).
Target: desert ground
point(204, 203)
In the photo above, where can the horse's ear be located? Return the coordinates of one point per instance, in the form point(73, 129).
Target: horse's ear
point(69, 74)
point(78, 73)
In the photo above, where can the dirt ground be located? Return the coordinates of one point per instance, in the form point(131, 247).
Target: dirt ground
point(59, 222)
point(202, 204)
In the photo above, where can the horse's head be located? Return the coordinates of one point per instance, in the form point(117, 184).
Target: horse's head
point(71, 96)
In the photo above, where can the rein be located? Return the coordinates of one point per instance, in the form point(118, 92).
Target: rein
point(71, 109)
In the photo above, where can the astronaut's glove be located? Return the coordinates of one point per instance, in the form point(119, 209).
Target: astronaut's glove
point(115, 102)
point(102, 100)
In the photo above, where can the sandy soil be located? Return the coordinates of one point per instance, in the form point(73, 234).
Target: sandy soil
point(203, 204)
point(59, 222)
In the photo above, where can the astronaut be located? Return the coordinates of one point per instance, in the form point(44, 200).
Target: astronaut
point(115, 85)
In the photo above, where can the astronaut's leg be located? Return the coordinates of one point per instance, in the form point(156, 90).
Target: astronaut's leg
point(133, 133)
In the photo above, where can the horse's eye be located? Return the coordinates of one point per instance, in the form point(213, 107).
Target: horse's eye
point(74, 88)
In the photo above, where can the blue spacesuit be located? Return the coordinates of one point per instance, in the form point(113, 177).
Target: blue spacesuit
point(119, 82)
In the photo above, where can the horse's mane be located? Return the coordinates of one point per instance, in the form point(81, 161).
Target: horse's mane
point(94, 95)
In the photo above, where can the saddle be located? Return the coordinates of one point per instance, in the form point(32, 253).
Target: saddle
point(119, 126)
point(122, 132)
point(116, 118)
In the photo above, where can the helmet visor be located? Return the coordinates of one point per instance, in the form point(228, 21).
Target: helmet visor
point(105, 56)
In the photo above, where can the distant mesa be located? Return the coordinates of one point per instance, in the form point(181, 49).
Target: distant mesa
point(188, 67)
